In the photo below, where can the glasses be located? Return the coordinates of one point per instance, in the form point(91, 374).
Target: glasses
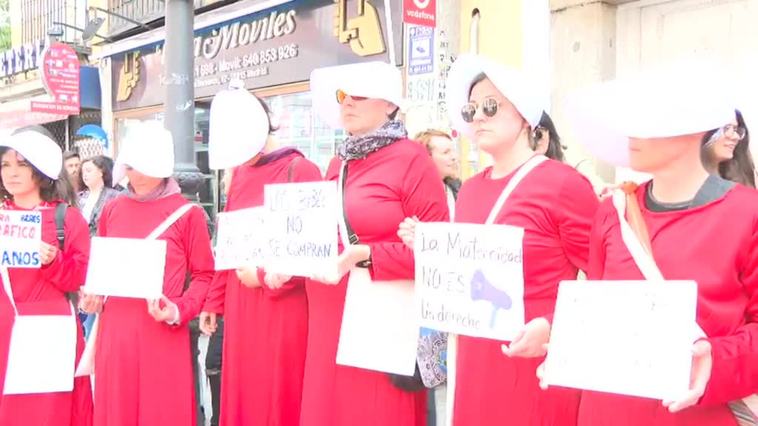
point(341, 96)
point(489, 108)
point(733, 131)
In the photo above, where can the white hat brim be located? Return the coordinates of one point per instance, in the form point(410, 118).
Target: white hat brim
point(41, 151)
point(239, 128)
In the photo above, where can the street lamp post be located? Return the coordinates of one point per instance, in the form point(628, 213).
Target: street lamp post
point(178, 80)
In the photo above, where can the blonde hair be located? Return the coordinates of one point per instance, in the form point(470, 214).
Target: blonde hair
point(425, 137)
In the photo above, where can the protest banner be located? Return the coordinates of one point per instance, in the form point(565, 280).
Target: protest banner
point(626, 337)
point(241, 239)
point(470, 279)
point(126, 267)
point(20, 239)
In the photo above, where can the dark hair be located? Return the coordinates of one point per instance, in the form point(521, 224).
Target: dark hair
point(554, 147)
point(70, 154)
point(105, 165)
point(478, 79)
point(740, 167)
point(49, 190)
point(271, 128)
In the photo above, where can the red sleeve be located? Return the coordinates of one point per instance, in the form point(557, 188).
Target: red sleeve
point(735, 357)
point(68, 270)
point(575, 212)
point(423, 195)
point(199, 254)
point(214, 302)
point(596, 262)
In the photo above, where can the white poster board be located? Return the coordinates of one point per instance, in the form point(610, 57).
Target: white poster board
point(302, 227)
point(126, 267)
point(379, 329)
point(625, 337)
point(470, 279)
point(20, 239)
point(240, 239)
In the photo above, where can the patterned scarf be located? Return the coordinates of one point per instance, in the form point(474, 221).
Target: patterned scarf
point(357, 147)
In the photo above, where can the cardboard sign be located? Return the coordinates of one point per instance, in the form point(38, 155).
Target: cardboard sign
point(625, 337)
point(20, 239)
point(240, 239)
point(470, 279)
point(126, 267)
point(302, 227)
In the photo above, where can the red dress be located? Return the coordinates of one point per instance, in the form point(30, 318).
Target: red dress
point(393, 183)
point(42, 291)
point(143, 370)
point(555, 206)
point(265, 330)
point(715, 244)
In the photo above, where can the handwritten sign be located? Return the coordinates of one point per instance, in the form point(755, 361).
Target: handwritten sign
point(20, 239)
point(470, 279)
point(126, 267)
point(302, 226)
point(625, 337)
point(240, 239)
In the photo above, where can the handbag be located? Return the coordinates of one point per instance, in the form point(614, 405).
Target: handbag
point(637, 239)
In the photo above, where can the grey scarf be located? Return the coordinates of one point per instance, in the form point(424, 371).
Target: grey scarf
point(357, 147)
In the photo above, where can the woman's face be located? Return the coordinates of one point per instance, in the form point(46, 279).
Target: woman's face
point(92, 175)
point(444, 155)
point(500, 131)
point(655, 154)
point(363, 115)
point(17, 174)
point(141, 183)
point(723, 148)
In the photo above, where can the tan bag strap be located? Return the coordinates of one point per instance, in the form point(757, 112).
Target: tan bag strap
point(634, 216)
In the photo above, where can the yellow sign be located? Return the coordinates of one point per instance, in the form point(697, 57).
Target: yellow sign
point(129, 76)
point(363, 32)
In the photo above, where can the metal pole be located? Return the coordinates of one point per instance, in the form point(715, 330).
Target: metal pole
point(180, 94)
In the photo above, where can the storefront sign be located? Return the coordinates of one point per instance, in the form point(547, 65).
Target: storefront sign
point(60, 75)
point(21, 58)
point(265, 49)
point(420, 12)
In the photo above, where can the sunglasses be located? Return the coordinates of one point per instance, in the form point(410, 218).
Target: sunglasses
point(341, 96)
point(489, 108)
point(732, 130)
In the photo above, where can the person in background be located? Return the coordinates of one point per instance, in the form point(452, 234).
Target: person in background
point(97, 180)
point(442, 149)
point(73, 165)
point(491, 382)
point(726, 152)
point(386, 177)
point(546, 139)
point(265, 315)
point(142, 359)
point(696, 225)
point(32, 179)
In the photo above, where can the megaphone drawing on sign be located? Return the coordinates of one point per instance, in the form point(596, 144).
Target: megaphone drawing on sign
point(482, 289)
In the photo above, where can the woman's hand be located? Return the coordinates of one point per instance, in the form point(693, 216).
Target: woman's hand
point(531, 341)
point(702, 364)
point(345, 262)
point(47, 253)
point(169, 313)
point(248, 276)
point(407, 231)
point(207, 323)
point(276, 281)
point(90, 303)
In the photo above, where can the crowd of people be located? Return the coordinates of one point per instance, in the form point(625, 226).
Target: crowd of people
point(697, 218)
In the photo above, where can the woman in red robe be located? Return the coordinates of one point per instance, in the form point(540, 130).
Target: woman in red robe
point(389, 178)
point(700, 228)
point(32, 180)
point(500, 109)
point(143, 370)
point(265, 318)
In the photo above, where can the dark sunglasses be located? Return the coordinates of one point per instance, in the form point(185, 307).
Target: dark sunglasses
point(489, 108)
point(341, 96)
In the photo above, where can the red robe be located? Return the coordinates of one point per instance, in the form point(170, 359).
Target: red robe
point(43, 292)
point(143, 370)
point(393, 183)
point(555, 206)
point(265, 330)
point(716, 245)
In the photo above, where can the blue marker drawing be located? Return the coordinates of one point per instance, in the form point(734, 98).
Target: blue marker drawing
point(482, 289)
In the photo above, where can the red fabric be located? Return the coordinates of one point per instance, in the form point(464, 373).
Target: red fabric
point(42, 291)
point(389, 185)
point(143, 367)
point(717, 246)
point(555, 206)
point(265, 330)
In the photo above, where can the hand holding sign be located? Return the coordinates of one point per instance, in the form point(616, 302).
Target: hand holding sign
point(248, 276)
point(275, 281)
point(346, 261)
point(47, 253)
point(407, 231)
point(702, 364)
point(531, 341)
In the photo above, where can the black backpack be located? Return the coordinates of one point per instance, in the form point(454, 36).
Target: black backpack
point(60, 219)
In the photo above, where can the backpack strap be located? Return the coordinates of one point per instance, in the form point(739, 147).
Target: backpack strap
point(60, 222)
point(291, 168)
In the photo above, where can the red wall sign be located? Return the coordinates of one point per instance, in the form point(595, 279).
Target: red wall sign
point(420, 12)
point(60, 74)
